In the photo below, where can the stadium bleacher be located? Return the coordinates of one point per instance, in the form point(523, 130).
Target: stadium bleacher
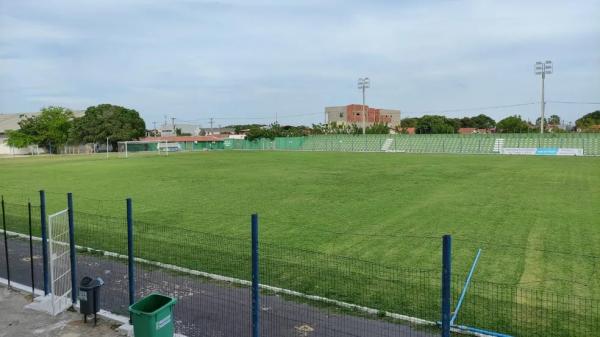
point(434, 143)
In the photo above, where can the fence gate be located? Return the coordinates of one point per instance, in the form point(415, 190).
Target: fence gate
point(60, 261)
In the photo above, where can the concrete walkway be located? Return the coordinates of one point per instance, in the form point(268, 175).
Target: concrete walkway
point(207, 308)
point(15, 320)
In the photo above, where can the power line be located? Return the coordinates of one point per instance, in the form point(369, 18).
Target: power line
point(490, 107)
point(573, 102)
point(252, 118)
point(478, 108)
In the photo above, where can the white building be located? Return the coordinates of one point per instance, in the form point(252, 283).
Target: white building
point(11, 122)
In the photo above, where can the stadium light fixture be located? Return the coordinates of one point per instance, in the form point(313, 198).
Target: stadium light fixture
point(363, 83)
point(543, 69)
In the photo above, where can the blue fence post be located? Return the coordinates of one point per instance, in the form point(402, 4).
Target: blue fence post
point(44, 240)
point(446, 279)
point(5, 242)
point(72, 248)
point(255, 279)
point(31, 251)
point(130, 256)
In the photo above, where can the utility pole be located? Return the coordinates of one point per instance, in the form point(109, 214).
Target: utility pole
point(211, 125)
point(154, 131)
point(173, 125)
point(400, 120)
point(276, 118)
point(543, 68)
point(363, 84)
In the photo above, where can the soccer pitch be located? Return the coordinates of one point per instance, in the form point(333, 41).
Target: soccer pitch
point(537, 219)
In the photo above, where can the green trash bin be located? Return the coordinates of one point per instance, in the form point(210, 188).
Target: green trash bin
point(153, 316)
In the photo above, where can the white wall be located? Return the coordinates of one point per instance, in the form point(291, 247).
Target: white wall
point(5, 149)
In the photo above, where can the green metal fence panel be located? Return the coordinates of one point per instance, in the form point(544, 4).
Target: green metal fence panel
point(421, 143)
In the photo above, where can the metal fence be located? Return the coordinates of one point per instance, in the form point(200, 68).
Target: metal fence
point(243, 286)
point(589, 143)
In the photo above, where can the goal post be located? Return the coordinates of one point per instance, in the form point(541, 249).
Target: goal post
point(60, 262)
point(163, 146)
point(129, 148)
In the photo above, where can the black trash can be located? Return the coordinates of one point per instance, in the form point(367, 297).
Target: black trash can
point(89, 297)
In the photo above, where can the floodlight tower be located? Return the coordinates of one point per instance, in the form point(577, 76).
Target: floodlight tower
point(363, 83)
point(543, 68)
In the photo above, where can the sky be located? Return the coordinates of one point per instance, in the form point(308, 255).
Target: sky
point(248, 61)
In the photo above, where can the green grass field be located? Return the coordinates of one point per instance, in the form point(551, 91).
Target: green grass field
point(358, 205)
point(537, 219)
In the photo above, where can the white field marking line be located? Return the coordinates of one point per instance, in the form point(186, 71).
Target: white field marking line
point(249, 283)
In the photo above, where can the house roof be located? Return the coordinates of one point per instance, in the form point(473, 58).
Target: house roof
point(221, 130)
point(214, 138)
point(11, 121)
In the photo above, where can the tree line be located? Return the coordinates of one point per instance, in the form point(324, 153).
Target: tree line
point(427, 124)
point(56, 126)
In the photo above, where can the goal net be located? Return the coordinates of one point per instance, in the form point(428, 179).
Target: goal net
point(129, 148)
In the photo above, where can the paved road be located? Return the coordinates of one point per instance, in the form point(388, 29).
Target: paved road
point(207, 308)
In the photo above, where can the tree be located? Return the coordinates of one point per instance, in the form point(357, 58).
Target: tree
point(378, 128)
point(17, 138)
point(588, 120)
point(108, 121)
point(49, 129)
point(239, 128)
point(467, 122)
point(276, 130)
point(409, 122)
point(257, 132)
point(334, 128)
point(482, 121)
point(554, 120)
point(537, 122)
point(436, 124)
point(512, 124)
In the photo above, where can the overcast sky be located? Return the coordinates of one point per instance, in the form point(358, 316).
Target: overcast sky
point(244, 61)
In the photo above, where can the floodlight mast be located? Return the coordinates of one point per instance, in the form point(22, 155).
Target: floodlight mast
point(543, 68)
point(363, 83)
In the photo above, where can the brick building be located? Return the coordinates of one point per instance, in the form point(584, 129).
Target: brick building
point(352, 114)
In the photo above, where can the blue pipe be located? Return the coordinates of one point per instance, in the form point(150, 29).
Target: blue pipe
point(74, 289)
point(44, 242)
point(482, 331)
point(5, 243)
point(130, 256)
point(446, 284)
point(255, 279)
point(464, 291)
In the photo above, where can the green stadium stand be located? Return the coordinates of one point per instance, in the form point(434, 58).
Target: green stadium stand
point(435, 143)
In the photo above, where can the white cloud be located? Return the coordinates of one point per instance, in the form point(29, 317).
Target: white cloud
point(197, 59)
